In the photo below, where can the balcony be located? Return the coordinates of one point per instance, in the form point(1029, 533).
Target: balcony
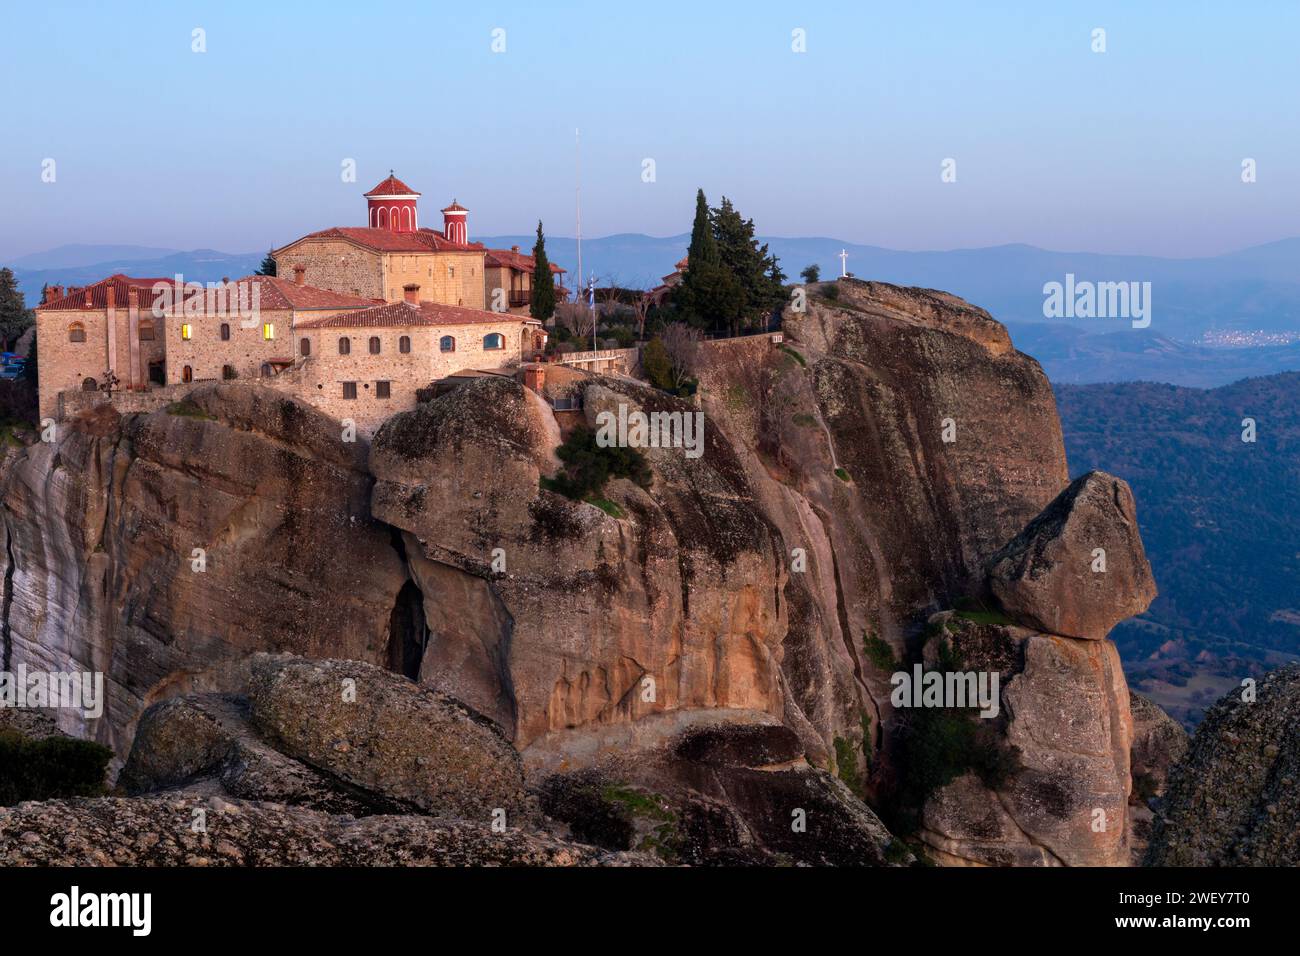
point(519, 298)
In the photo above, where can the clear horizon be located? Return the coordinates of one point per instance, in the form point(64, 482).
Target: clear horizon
point(241, 146)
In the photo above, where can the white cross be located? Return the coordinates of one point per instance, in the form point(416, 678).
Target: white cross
point(844, 264)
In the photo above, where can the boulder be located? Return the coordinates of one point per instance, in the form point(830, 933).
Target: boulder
point(1079, 568)
point(206, 744)
point(377, 731)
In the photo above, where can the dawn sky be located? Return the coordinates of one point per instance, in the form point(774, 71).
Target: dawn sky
point(1135, 150)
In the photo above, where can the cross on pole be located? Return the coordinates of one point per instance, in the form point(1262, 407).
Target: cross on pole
point(844, 263)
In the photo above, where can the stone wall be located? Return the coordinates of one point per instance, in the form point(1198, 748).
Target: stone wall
point(73, 402)
point(449, 278)
point(337, 265)
point(320, 379)
point(205, 353)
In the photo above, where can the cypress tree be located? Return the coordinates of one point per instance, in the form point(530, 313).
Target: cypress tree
point(15, 317)
point(541, 303)
point(267, 267)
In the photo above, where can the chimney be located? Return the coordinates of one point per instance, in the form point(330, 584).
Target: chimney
point(514, 248)
point(88, 302)
point(299, 275)
point(52, 293)
point(132, 298)
point(412, 293)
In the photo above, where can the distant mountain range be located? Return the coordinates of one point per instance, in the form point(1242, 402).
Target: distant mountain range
point(1255, 289)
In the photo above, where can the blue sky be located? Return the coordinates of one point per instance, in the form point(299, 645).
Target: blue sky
point(1135, 150)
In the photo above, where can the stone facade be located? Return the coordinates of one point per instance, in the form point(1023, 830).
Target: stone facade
point(322, 377)
point(108, 327)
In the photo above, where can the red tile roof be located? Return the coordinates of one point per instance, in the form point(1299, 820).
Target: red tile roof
point(509, 259)
point(277, 294)
point(392, 186)
point(385, 240)
point(406, 313)
point(455, 207)
point(99, 294)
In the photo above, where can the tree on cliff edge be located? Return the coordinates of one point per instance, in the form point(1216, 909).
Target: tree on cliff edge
point(15, 317)
point(541, 304)
point(709, 294)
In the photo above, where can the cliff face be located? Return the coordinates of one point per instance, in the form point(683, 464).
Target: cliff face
point(100, 530)
point(852, 484)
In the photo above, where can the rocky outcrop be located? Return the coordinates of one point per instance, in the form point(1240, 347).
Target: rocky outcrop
point(726, 794)
point(590, 622)
point(1055, 791)
point(1079, 568)
point(163, 549)
point(187, 830)
point(1232, 799)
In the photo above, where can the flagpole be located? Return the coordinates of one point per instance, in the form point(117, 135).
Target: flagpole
point(577, 165)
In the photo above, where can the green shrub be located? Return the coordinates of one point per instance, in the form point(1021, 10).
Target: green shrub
point(795, 355)
point(846, 763)
point(842, 475)
point(50, 769)
point(587, 466)
point(976, 611)
point(879, 653)
point(657, 365)
point(188, 409)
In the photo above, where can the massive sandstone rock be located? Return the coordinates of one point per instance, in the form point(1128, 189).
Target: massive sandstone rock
point(754, 586)
point(1079, 568)
point(1232, 800)
point(596, 623)
point(100, 528)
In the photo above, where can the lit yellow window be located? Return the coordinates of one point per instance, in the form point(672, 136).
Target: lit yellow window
point(185, 331)
point(268, 330)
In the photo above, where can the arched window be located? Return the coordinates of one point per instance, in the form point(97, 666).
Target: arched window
point(89, 385)
point(228, 372)
point(345, 345)
point(225, 331)
point(383, 218)
point(446, 344)
point(374, 345)
point(494, 340)
point(187, 374)
point(146, 330)
point(76, 332)
point(404, 344)
point(304, 348)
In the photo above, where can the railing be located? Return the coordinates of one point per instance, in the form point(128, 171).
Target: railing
point(519, 299)
point(601, 355)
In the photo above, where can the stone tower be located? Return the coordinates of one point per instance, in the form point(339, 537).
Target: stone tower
point(392, 206)
point(455, 223)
